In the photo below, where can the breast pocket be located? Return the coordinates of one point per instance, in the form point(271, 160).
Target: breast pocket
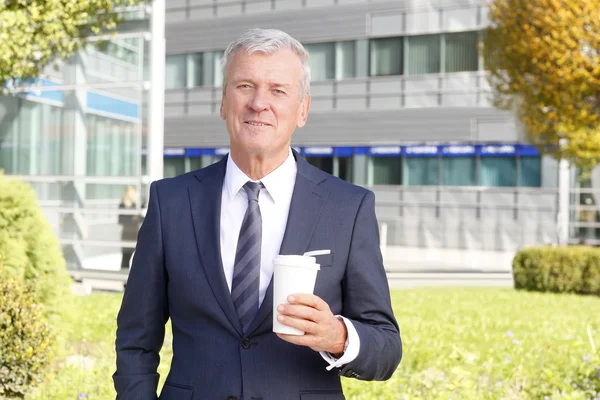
point(325, 260)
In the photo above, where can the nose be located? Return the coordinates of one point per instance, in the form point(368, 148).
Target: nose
point(258, 101)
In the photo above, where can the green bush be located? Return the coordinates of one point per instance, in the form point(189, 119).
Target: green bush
point(28, 247)
point(25, 338)
point(558, 269)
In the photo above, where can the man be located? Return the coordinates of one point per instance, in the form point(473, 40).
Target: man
point(205, 250)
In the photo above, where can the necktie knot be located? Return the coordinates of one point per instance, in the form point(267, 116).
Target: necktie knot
point(252, 190)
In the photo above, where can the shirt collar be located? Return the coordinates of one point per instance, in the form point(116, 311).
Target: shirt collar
point(277, 183)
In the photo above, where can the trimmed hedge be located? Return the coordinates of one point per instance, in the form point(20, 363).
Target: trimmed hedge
point(573, 269)
point(28, 246)
point(25, 338)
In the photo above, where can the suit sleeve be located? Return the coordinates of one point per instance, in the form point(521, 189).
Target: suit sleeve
point(367, 301)
point(144, 312)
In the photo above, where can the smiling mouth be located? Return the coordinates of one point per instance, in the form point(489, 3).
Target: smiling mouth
point(256, 123)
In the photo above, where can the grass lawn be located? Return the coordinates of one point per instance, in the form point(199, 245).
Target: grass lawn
point(458, 343)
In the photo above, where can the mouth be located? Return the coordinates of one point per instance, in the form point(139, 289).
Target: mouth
point(256, 123)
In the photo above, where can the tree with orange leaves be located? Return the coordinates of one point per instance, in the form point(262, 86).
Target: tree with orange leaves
point(543, 58)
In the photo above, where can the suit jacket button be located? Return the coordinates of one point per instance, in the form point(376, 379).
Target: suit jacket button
point(245, 344)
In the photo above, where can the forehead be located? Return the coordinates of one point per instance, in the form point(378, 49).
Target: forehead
point(283, 66)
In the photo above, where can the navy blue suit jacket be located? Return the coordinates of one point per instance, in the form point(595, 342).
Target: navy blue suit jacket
point(177, 273)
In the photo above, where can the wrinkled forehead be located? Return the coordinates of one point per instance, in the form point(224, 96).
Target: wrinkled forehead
point(281, 65)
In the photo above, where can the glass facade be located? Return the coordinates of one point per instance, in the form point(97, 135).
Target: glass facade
point(345, 60)
point(423, 54)
point(174, 167)
point(437, 168)
point(411, 55)
point(461, 51)
point(176, 71)
point(420, 171)
point(30, 137)
point(76, 135)
point(387, 170)
point(498, 171)
point(386, 56)
point(530, 168)
point(458, 171)
point(321, 60)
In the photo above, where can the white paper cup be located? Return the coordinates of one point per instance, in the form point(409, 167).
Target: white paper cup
point(291, 274)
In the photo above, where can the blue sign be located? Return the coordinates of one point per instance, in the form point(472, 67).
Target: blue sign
point(498, 150)
point(343, 151)
point(52, 95)
point(420, 151)
point(111, 105)
point(194, 153)
point(449, 150)
point(361, 151)
point(385, 151)
point(221, 151)
point(174, 152)
point(318, 151)
point(528, 150)
point(458, 150)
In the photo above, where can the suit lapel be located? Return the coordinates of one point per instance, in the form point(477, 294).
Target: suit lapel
point(307, 202)
point(205, 203)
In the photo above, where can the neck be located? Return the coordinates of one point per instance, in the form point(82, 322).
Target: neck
point(256, 166)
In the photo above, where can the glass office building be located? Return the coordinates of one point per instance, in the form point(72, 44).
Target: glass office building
point(76, 135)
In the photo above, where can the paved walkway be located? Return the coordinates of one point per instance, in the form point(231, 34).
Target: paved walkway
point(416, 259)
point(406, 267)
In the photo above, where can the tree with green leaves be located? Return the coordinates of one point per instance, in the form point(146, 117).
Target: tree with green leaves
point(37, 33)
point(543, 58)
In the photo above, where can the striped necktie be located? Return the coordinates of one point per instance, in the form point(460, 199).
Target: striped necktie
point(246, 270)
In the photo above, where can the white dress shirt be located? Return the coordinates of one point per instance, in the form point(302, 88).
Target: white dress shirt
point(274, 202)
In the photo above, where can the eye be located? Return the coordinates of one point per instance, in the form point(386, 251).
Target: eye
point(279, 91)
point(244, 86)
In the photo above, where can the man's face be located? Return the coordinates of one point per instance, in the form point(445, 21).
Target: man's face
point(261, 101)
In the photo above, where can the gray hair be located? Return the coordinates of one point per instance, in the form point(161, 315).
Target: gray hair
point(268, 41)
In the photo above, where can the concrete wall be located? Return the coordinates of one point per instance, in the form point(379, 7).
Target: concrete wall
point(474, 218)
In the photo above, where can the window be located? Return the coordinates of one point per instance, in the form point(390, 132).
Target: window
point(175, 72)
point(195, 163)
point(386, 56)
point(218, 72)
point(174, 166)
point(322, 61)
point(423, 54)
point(195, 70)
point(345, 62)
point(461, 52)
point(387, 170)
point(345, 168)
point(323, 163)
point(458, 171)
point(530, 171)
point(497, 171)
point(421, 171)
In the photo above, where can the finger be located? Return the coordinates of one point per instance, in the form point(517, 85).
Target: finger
point(300, 311)
point(309, 300)
point(302, 324)
point(304, 340)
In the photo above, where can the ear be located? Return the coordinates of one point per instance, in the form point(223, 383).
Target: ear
point(303, 114)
